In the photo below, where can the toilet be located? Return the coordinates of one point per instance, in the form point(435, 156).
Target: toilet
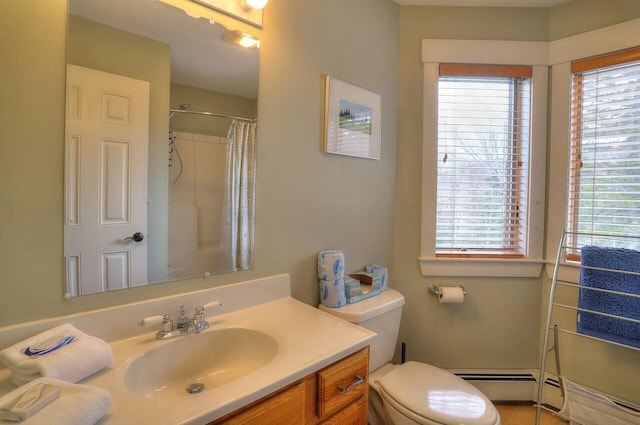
point(411, 393)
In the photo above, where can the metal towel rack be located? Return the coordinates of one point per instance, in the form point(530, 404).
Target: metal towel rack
point(562, 314)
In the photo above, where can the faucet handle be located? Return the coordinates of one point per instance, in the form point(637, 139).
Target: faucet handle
point(198, 317)
point(199, 314)
point(151, 321)
point(212, 304)
point(199, 321)
point(167, 323)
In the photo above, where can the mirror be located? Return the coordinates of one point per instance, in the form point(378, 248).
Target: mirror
point(157, 105)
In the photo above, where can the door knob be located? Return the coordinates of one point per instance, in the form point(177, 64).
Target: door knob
point(137, 237)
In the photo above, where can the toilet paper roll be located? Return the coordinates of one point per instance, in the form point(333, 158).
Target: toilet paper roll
point(331, 265)
point(332, 293)
point(451, 295)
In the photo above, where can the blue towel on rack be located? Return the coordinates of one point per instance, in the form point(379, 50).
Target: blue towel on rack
point(611, 329)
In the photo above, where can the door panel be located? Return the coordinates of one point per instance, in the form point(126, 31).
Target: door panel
point(115, 182)
point(105, 181)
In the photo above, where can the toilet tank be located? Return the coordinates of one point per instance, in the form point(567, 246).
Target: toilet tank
point(380, 314)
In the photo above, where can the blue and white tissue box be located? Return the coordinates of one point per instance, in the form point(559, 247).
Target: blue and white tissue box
point(379, 270)
point(332, 293)
point(360, 286)
point(331, 265)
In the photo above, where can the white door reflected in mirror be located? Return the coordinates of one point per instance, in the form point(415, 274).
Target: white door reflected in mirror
point(106, 144)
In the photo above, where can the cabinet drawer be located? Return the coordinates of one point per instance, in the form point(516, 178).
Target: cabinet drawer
point(343, 382)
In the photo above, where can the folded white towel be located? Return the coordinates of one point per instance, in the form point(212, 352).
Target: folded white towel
point(77, 404)
point(63, 352)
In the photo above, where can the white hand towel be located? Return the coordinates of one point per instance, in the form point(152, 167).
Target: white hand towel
point(83, 356)
point(77, 404)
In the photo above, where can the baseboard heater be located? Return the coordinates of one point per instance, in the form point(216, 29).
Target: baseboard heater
point(508, 386)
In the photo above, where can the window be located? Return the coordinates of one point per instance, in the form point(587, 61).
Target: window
point(604, 168)
point(483, 160)
point(517, 70)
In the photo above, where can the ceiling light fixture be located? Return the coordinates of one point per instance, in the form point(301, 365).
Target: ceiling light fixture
point(253, 4)
point(240, 38)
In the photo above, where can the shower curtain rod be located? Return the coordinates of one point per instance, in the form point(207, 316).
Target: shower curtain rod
point(213, 114)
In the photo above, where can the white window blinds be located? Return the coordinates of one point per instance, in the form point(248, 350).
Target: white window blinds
point(604, 169)
point(483, 145)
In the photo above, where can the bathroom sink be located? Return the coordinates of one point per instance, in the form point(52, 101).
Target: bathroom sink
point(199, 362)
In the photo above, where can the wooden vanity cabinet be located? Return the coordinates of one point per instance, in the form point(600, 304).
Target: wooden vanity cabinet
point(335, 395)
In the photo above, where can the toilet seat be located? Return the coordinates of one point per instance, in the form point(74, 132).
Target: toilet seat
point(428, 395)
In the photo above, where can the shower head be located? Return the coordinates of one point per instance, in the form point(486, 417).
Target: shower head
point(180, 107)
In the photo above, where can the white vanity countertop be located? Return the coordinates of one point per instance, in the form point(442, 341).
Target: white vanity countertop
point(308, 340)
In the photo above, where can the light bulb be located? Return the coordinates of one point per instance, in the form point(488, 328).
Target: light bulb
point(248, 42)
point(256, 4)
point(240, 38)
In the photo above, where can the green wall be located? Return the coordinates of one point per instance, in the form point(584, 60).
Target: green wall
point(32, 74)
point(209, 101)
point(578, 16)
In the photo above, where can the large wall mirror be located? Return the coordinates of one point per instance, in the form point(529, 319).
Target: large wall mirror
point(159, 146)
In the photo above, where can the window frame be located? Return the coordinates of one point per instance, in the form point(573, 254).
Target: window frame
point(534, 54)
point(562, 52)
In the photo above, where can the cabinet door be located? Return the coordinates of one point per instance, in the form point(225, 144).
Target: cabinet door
point(354, 414)
point(285, 408)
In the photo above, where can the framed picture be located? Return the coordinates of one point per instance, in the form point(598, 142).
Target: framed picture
point(351, 120)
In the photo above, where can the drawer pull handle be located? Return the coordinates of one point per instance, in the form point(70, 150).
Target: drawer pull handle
point(359, 380)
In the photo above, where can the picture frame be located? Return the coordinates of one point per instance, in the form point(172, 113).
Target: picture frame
point(352, 119)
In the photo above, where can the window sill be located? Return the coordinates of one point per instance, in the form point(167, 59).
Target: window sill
point(480, 267)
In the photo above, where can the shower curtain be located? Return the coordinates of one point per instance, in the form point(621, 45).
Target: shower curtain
point(239, 200)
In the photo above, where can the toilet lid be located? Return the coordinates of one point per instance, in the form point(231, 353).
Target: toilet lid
point(424, 392)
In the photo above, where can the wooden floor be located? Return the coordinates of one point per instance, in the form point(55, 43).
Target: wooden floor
point(525, 414)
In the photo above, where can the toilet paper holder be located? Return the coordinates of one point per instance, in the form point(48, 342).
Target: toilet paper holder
point(435, 290)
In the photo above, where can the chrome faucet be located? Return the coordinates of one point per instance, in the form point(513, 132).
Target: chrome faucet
point(183, 321)
point(184, 325)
